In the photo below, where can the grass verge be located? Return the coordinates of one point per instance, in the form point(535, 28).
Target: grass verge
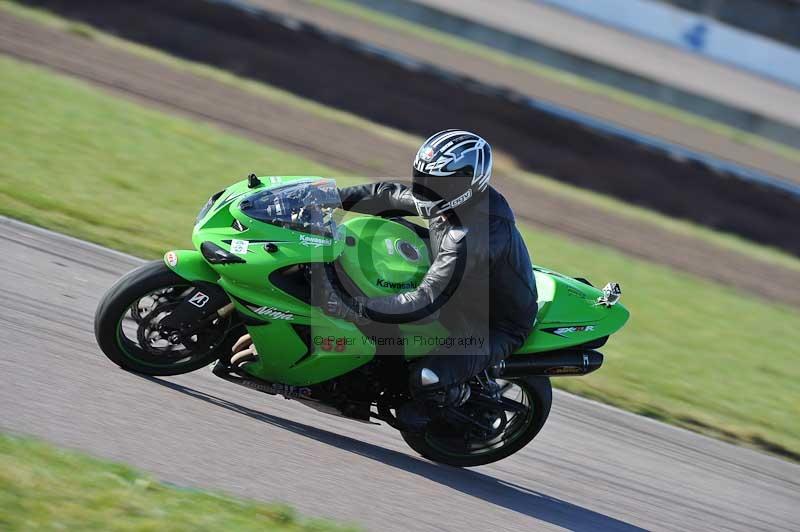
point(695, 353)
point(647, 217)
point(418, 31)
point(99, 167)
point(45, 488)
point(503, 165)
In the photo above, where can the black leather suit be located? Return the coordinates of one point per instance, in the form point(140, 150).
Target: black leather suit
point(480, 285)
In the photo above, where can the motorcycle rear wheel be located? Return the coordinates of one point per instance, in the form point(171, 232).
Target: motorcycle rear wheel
point(126, 322)
point(535, 391)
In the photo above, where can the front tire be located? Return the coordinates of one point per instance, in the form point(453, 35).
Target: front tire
point(126, 329)
point(536, 390)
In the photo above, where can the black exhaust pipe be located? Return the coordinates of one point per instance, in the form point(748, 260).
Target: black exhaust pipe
point(552, 364)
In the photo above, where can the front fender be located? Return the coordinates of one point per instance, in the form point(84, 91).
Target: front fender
point(190, 265)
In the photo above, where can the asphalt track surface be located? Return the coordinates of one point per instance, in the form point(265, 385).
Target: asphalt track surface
point(352, 149)
point(592, 467)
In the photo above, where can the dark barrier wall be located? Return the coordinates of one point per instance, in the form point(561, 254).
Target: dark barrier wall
point(336, 72)
point(584, 67)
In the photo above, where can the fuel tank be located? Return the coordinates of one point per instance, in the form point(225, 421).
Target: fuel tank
point(382, 256)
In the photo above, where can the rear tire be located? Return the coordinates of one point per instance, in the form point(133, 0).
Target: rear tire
point(540, 392)
point(115, 306)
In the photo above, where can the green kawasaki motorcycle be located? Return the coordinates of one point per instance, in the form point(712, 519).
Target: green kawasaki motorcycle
point(261, 246)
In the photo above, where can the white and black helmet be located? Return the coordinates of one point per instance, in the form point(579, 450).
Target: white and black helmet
point(451, 168)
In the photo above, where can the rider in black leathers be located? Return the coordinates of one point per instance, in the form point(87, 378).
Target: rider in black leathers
point(480, 285)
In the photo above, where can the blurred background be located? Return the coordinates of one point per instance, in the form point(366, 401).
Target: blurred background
point(651, 142)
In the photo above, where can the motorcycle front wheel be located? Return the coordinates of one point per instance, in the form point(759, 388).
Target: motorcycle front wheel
point(127, 329)
point(520, 426)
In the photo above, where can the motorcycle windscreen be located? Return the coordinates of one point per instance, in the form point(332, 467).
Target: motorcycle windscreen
point(308, 206)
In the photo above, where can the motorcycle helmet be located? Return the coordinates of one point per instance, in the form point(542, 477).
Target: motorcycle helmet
point(453, 167)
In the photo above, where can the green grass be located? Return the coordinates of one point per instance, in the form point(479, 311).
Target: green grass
point(687, 228)
point(81, 161)
point(44, 488)
point(269, 92)
point(504, 166)
point(418, 31)
point(695, 353)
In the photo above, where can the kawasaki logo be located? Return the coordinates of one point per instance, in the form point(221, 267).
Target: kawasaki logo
point(388, 284)
point(314, 241)
point(273, 313)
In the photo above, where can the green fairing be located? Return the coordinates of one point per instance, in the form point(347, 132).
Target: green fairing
point(565, 302)
point(374, 262)
point(192, 266)
point(381, 257)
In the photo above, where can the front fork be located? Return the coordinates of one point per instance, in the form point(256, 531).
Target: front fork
point(207, 301)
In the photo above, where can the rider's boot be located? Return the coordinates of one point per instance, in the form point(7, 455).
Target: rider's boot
point(429, 398)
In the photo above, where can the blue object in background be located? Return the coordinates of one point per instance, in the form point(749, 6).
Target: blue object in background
point(689, 31)
point(696, 36)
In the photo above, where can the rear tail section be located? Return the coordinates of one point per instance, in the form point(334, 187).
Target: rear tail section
point(573, 314)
